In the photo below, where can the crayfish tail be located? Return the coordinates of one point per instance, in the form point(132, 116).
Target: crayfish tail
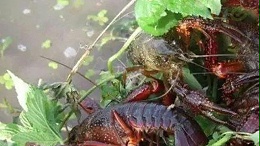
point(189, 135)
point(185, 139)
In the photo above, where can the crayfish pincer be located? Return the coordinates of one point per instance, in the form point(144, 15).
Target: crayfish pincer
point(134, 122)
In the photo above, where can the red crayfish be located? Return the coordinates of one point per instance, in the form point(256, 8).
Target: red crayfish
point(130, 123)
point(133, 122)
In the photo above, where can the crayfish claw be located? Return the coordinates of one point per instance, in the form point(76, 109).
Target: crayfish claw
point(213, 118)
point(216, 108)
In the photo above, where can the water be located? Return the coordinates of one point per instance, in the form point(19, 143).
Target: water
point(31, 22)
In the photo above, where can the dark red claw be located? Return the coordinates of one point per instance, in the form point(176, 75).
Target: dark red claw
point(222, 70)
point(144, 91)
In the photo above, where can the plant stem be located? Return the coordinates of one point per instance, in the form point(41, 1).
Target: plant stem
point(94, 87)
point(122, 50)
point(85, 96)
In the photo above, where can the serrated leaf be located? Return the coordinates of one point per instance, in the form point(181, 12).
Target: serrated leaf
point(38, 137)
point(24, 121)
point(39, 108)
point(162, 26)
point(46, 44)
point(213, 5)
point(189, 8)
point(53, 65)
point(22, 89)
point(150, 13)
point(40, 117)
point(8, 130)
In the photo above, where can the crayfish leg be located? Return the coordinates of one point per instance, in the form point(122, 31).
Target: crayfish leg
point(153, 87)
point(213, 118)
point(134, 138)
point(218, 109)
point(140, 69)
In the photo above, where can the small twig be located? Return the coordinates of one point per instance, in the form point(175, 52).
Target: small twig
point(87, 52)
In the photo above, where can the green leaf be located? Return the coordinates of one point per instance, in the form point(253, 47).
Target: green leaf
point(22, 89)
point(3, 143)
point(89, 73)
point(163, 24)
point(8, 130)
point(46, 44)
point(220, 137)
point(190, 79)
point(41, 116)
point(221, 141)
point(213, 5)
point(104, 75)
point(150, 11)
point(63, 2)
point(189, 8)
point(105, 40)
point(156, 17)
point(24, 121)
point(255, 137)
point(207, 125)
point(6, 80)
point(53, 65)
point(4, 44)
point(109, 90)
point(38, 137)
point(88, 60)
point(100, 17)
point(78, 3)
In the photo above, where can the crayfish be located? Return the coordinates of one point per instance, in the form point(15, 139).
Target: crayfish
point(134, 121)
point(130, 123)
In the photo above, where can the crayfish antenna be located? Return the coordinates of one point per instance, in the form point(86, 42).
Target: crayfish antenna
point(69, 68)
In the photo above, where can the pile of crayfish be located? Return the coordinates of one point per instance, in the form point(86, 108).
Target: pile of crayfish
point(135, 121)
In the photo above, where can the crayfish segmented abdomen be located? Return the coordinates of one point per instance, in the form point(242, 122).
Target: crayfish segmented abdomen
point(140, 117)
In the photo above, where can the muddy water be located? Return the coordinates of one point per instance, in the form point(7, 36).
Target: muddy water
point(30, 22)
